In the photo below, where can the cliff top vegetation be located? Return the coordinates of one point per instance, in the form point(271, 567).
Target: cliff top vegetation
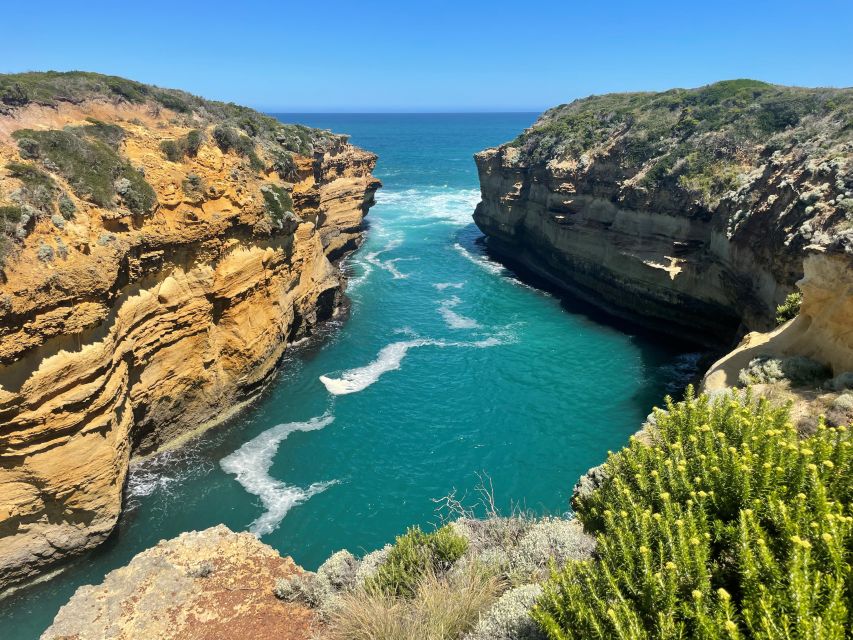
point(699, 140)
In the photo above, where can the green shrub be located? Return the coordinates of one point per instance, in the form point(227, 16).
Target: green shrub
point(86, 158)
point(10, 214)
point(38, 187)
point(193, 185)
point(790, 308)
point(413, 555)
point(278, 202)
point(66, 206)
point(175, 150)
point(728, 526)
point(111, 134)
point(194, 140)
point(229, 139)
point(172, 150)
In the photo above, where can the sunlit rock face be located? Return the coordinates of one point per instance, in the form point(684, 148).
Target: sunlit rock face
point(133, 319)
point(690, 211)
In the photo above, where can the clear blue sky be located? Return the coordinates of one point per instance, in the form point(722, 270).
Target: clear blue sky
point(392, 55)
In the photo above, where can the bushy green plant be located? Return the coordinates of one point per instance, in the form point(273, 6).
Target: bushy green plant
point(194, 139)
point(728, 526)
point(188, 145)
point(38, 187)
point(790, 308)
point(86, 157)
point(278, 202)
point(172, 150)
point(229, 139)
point(414, 554)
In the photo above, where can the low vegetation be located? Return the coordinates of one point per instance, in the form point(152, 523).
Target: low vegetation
point(798, 371)
point(53, 88)
point(790, 308)
point(278, 202)
point(186, 146)
point(697, 141)
point(88, 158)
point(414, 555)
point(728, 526)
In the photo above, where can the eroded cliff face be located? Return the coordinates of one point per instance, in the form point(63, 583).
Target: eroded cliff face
point(822, 331)
point(689, 211)
point(127, 328)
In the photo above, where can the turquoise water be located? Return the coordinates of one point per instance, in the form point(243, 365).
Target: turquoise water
point(445, 366)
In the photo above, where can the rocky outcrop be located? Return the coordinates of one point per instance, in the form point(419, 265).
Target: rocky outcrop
point(131, 322)
point(822, 331)
point(201, 585)
point(689, 211)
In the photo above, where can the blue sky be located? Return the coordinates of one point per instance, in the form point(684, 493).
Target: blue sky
point(388, 55)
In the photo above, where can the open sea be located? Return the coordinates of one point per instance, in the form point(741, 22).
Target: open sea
point(446, 366)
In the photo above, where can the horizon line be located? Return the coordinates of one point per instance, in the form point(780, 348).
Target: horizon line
point(397, 113)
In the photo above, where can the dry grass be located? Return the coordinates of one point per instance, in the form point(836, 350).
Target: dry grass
point(442, 608)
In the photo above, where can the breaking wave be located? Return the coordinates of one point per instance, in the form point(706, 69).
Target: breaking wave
point(438, 204)
point(480, 260)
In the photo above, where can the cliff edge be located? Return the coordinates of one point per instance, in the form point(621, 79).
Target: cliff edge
point(159, 252)
point(689, 211)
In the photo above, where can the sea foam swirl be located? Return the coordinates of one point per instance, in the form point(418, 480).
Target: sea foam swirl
point(391, 356)
point(250, 464)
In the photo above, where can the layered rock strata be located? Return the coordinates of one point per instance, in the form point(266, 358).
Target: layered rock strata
point(132, 322)
point(689, 211)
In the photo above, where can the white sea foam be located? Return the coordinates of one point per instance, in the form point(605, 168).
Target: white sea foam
point(391, 356)
point(164, 473)
point(441, 286)
point(388, 359)
point(388, 265)
point(354, 282)
point(251, 463)
point(441, 205)
point(480, 260)
point(453, 319)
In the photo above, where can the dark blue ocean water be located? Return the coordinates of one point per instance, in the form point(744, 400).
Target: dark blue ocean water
point(446, 366)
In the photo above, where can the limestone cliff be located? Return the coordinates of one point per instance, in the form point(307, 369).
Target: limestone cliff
point(159, 252)
point(690, 211)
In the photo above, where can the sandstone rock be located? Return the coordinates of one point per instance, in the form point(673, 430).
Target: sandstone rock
point(152, 327)
point(572, 199)
point(202, 585)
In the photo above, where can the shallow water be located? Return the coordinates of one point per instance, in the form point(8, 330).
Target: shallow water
point(446, 366)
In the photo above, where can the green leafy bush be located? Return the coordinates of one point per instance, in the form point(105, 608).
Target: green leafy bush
point(278, 202)
point(194, 139)
point(172, 150)
point(414, 555)
point(86, 157)
point(176, 149)
point(790, 308)
point(38, 187)
point(728, 526)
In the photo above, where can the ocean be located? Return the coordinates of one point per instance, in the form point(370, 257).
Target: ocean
point(445, 369)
